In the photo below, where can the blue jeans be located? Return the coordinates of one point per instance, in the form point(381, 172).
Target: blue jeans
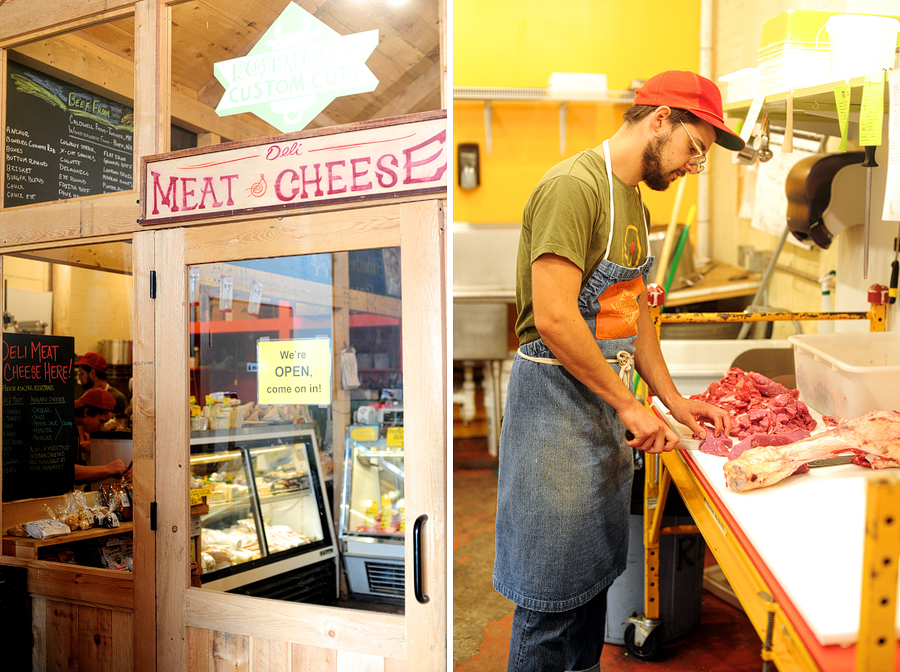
point(560, 641)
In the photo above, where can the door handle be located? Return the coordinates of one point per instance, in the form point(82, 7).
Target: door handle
point(417, 559)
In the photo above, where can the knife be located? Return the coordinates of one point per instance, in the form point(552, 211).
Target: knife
point(830, 461)
point(683, 444)
point(868, 164)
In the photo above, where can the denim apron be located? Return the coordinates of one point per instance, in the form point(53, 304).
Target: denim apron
point(565, 473)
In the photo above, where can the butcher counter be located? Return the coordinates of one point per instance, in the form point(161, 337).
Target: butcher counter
point(794, 549)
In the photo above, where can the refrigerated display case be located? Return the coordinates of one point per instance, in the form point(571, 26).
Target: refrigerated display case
point(372, 525)
point(268, 531)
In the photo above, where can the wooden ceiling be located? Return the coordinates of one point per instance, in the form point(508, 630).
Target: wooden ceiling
point(406, 62)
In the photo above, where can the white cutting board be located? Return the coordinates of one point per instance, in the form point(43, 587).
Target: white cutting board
point(809, 529)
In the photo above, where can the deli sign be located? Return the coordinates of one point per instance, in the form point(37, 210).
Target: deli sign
point(403, 155)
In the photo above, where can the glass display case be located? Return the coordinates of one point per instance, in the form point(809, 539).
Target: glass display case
point(268, 529)
point(373, 516)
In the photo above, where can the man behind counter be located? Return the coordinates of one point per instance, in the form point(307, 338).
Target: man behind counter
point(92, 410)
point(92, 374)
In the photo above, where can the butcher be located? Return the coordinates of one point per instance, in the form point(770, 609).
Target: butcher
point(566, 466)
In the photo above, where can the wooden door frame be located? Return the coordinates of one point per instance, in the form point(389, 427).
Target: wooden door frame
point(184, 614)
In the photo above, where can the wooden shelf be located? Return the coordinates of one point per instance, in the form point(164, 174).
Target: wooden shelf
point(26, 547)
point(722, 281)
point(814, 106)
point(536, 94)
point(489, 95)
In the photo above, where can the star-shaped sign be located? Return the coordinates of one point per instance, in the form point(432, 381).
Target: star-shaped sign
point(295, 70)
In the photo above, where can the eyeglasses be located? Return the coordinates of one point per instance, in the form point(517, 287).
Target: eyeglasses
point(700, 158)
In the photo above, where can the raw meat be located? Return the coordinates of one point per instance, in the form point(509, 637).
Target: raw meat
point(757, 405)
point(715, 445)
point(873, 438)
point(756, 440)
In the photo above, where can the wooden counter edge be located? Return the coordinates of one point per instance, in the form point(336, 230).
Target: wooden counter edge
point(75, 583)
point(12, 544)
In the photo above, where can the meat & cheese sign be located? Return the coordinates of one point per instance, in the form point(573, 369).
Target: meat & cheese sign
point(388, 157)
point(298, 67)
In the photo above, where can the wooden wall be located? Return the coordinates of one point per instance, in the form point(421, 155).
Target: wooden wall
point(82, 618)
point(72, 636)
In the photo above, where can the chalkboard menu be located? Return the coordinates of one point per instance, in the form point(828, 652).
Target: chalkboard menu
point(62, 141)
point(38, 415)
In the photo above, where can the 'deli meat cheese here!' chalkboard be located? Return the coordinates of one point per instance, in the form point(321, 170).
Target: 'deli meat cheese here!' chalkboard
point(62, 141)
point(39, 435)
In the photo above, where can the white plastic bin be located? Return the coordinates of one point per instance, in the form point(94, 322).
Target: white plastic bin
point(860, 45)
point(847, 375)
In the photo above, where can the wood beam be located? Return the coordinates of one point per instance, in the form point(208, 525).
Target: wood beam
point(113, 257)
point(82, 63)
point(26, 20)
point(85, 217)
point(411, 98)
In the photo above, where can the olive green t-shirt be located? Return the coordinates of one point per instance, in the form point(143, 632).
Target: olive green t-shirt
point(567, 215)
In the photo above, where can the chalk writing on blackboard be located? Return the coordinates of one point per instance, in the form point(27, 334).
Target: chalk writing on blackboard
point(63, 141)
point(38, 415)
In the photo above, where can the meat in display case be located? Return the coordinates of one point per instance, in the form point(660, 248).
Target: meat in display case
point(372, 525)
point(268, 531)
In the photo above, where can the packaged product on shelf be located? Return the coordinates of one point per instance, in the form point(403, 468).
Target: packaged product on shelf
point(44, 529)
point(116, 553)
point(123, 499)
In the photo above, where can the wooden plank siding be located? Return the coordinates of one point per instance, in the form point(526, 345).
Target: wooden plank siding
point(255, 634)
point(71, 636)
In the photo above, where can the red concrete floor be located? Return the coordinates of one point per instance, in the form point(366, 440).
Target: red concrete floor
point(723, 641)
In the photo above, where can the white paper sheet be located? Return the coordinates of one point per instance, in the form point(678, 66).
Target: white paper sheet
point(770, 211)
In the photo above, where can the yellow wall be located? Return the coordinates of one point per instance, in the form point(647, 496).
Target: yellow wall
point(519, 44)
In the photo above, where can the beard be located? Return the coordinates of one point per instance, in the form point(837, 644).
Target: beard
point(652, 172)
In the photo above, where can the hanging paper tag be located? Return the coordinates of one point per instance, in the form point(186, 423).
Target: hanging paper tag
point(842, 104)
point(752, 115)
point(871, 110)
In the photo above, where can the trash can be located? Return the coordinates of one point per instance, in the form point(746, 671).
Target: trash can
point(681, 559)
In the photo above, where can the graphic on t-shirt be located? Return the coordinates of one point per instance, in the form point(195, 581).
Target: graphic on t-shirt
point(632, 252)
point(618, 310)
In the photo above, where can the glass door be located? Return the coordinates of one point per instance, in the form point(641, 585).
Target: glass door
point(315, 324)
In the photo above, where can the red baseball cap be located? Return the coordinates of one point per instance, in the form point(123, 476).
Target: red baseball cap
point(93, 360)
point(96, 398)
point(689, 91)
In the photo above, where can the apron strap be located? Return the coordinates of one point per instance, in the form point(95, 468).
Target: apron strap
point(612, 202)
point(625, 361)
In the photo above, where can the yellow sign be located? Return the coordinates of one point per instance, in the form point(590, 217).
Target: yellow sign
point(871, 110)
point(294, 371)
point(395, 437)
point(842, 104)
point(197, 495)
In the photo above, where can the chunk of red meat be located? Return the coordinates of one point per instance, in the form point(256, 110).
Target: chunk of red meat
point(768, 387)
point(715, 445)
point(756, 440)
point(757, 405)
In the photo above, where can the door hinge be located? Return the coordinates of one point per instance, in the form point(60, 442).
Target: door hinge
point(152, 284)
point(153, 516)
